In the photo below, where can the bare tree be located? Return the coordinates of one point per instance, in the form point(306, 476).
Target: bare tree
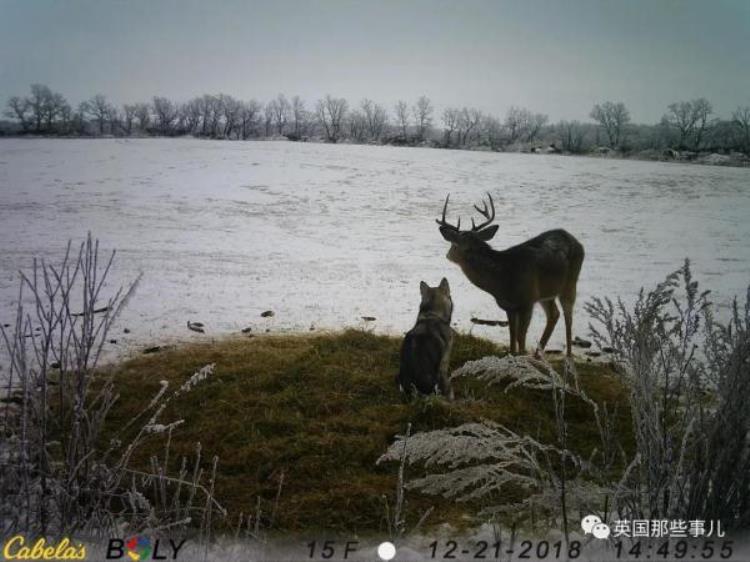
point(165, 113)
point(274, 113)
point(612, 117)
point(523, 125)
point(402, 116)
point(366, 106)
point(468, 124)
point(143, 116)
point(249, 118)
point(36, 102)
point(572, 135)
point(281, 109)
point(703, 110)
point(114, 119)
point(741, 120)
point(66, 119)
point(357, 126)
point(268, 112)
point(231, 109)
point(331, 113)
point(203, 108)
point(423, 116)
point(379, 122)
point(680, 117)
point(128, 117)
point(79, 123)
point(212, 115)
point(723, 134)
point(53, 106)
point(516, 123)
point(376, 119)
point(492, 130)
point(450, 123)
point(210, 108)
point(180, 126)
point(99, 109)
point(206, 104)
point(690, 119)
point(190, 114)
point(535, 125)
point(19, 108)
point(299, 117)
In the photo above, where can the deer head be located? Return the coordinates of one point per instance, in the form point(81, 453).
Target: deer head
point(464, 241)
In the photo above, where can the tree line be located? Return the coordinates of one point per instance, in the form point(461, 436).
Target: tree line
point(686, 125)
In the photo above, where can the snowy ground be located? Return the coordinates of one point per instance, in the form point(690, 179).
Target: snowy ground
point(325, 234)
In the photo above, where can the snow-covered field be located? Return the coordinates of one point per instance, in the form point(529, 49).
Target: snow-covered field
point(325, 234)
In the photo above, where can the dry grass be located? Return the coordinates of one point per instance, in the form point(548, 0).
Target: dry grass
point(320, 409)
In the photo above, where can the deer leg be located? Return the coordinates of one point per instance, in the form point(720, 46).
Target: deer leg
point(553, 313)
point(512, 328)
point(567, 306)
point(524, 319)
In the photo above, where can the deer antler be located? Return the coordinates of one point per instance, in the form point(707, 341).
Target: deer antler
point(442, 221)
point(488, 214)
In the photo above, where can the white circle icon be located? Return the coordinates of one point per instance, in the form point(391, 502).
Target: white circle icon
point(601, 531)
point(386, 550)
point(588, 522)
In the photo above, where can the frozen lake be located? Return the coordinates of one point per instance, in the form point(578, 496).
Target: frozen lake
point(325, 234)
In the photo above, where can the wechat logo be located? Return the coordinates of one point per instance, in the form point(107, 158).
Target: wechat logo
point(591, 524)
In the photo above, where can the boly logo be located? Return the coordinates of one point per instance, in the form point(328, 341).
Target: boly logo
point(591, 524)
point(16, 548)
point(140, 548)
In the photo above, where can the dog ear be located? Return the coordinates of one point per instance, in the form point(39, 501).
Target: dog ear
point(423, 288)
point(444, 286)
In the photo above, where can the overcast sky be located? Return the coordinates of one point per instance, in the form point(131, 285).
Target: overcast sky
point(556, 57)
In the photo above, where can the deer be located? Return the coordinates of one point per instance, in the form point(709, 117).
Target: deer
point(540, 270)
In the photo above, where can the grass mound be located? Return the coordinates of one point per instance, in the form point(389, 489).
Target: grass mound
point(320, 409)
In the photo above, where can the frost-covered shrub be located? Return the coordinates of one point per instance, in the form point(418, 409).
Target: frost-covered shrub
point(514, 372)
point(689, 378)
point(477, 458)
point(58, 474)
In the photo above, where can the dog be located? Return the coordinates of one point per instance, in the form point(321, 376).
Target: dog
point(426, 349)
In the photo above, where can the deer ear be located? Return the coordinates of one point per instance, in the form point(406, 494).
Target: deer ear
point(487, 233)
point(423, 288)
point(444, 286)
point(449, 234)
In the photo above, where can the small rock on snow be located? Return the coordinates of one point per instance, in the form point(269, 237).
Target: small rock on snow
point(581, 342)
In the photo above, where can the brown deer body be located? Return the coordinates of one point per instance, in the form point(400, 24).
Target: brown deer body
point(542, 269)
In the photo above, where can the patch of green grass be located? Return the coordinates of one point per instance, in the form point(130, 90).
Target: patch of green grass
point(322, 409)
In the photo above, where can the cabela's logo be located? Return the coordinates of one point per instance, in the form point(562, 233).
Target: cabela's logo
point(16, 548)
point(143, 548)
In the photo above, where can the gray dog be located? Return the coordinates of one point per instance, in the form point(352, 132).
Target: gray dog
point(426, 350)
